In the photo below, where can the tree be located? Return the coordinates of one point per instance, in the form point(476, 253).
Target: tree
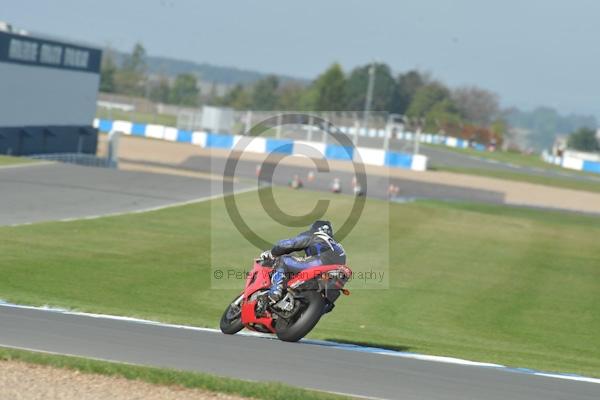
point(443, 117)
point(434, 103)
point(330, 90)
point(237, 98)
point(161, 92)
point(291, 96)
point(108, 71)
point(130, 78)
point(426, 98)
point(584, 139)
point(383, 90)
point(477, 105)
point(499, 128)
point(136, 61)
point(185, 90)
point(407, 86)
point(264, 95)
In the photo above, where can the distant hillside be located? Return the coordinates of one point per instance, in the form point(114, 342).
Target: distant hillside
point(206, 72)
point(545, 124)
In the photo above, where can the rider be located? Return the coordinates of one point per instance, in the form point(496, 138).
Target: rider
point(320, 249)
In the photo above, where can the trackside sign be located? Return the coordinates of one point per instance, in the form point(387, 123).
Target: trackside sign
point(28, 50)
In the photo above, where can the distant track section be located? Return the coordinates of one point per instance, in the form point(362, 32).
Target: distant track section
point(48, 192)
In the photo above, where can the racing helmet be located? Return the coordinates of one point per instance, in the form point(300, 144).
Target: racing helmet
point(322, 226)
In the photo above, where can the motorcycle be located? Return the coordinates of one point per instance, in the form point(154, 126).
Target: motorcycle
point(309, 294)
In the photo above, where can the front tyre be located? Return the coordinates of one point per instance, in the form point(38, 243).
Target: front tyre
point(231, 321)
point(306, 319)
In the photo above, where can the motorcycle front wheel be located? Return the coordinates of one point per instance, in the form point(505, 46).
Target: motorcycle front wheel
point(304, 321)
point(231, 321)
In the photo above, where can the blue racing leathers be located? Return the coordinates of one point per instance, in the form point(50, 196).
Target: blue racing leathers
point(319, 248)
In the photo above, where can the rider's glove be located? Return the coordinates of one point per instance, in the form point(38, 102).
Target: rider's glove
point(266, 255)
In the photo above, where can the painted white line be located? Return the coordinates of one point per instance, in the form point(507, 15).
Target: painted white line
point(403, 354)
point(569, 377)
point(335, 345)
point(140, 211)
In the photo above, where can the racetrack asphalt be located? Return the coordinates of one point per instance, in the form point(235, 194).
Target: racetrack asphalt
point(49, 192)
point(310, 365)
point(377, 185)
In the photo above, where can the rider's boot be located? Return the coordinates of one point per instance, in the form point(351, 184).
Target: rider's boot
point(277, 285)
point(275, 292)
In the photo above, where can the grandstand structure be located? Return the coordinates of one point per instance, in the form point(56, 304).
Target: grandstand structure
point(48, 92)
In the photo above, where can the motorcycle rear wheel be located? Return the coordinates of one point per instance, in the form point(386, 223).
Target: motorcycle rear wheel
point(304, 322)
point(231, 320)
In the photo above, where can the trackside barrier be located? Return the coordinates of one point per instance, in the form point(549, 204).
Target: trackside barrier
point(573, 163)
point(203, 139)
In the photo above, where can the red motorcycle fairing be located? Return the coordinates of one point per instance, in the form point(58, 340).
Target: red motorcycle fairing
point(259, 279)
point(314, 272)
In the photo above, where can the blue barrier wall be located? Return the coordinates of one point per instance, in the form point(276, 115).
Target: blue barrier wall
point(393, 159)
point(184, 136)
point(591, 166)
point(280, 146)
point(138, 129)
point(271, 145)
point(219, 141)
point(337, 152)
point(105, 125)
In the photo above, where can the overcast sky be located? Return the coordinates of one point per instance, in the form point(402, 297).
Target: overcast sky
point(531, 52)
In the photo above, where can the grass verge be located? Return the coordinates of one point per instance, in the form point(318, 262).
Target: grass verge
point(8, 160)
point(139, 117)
point(161, 376)
point(509, 157)
point(513, 286)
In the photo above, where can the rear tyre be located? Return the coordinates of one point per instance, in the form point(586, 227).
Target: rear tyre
point(304, 321)
point(231, 321)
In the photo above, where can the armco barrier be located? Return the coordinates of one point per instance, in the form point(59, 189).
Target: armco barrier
point(267, 145)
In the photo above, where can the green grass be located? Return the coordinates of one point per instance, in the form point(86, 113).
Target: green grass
point(565, 183)
point(513, 286)
point(8, 160)
point(524, 160)
point(510, 157)
point(169, 377)
point(139, 117)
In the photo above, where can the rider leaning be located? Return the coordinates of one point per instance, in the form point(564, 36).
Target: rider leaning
point(320, 249)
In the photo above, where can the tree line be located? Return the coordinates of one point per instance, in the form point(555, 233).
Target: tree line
point(468, 111)
point(413, 94)
point(131, 78)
